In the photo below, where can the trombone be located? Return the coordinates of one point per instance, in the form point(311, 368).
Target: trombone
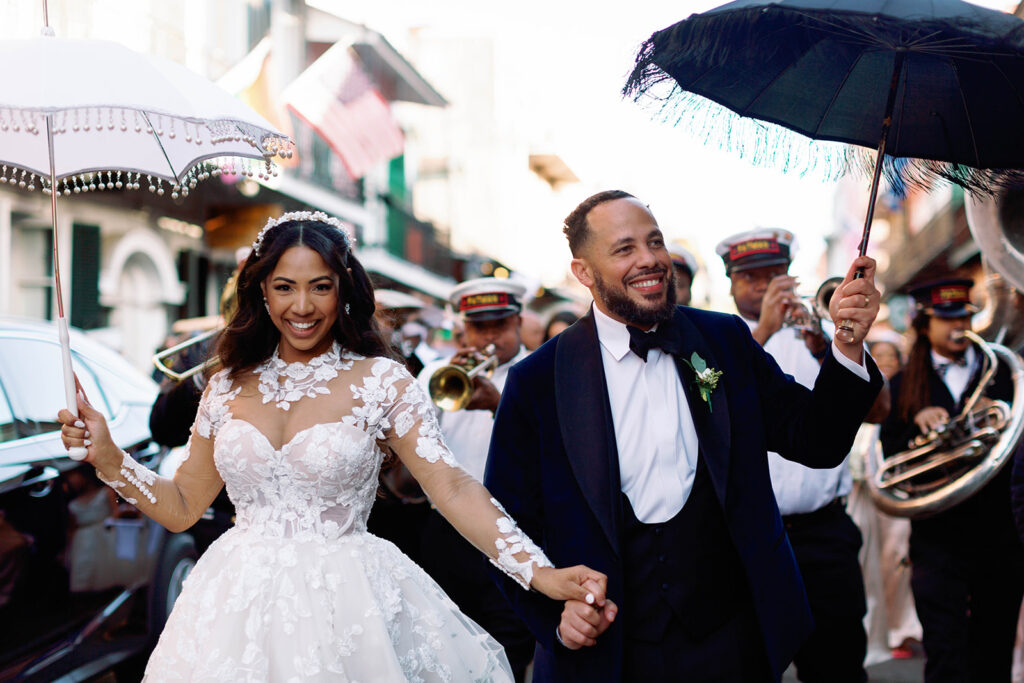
point(450, 387)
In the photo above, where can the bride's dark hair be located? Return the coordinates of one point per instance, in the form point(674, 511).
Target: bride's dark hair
point(251, 337)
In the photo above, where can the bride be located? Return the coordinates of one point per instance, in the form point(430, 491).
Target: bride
point(296, 426)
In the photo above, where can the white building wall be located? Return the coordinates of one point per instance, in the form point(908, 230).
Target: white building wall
point(138, 278)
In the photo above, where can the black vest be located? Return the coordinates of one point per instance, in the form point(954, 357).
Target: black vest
point(686, 568)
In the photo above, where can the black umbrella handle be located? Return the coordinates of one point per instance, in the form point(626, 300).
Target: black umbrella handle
point(844, 330)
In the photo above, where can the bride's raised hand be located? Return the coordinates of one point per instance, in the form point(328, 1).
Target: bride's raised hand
point(89, 430)
point(571, 583)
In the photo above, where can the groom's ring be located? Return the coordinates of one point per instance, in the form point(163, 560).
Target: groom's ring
point(867, 300)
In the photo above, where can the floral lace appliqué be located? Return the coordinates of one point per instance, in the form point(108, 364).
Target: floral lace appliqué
point(511, 543)
point(213, 409)
point(285, 383)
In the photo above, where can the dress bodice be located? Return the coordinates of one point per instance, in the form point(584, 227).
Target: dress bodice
point(321, 483)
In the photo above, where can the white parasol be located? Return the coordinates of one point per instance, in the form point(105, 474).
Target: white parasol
point(87, 115)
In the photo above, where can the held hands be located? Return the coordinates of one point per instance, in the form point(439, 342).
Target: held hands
point(587, 613)
point(855, 305)
point(584, 621)
point(89, 431)
point(570, 583)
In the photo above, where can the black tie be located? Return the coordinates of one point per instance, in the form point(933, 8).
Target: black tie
point(666, 338)
point(942, 368)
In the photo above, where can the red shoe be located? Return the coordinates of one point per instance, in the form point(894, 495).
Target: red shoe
point(902, 652)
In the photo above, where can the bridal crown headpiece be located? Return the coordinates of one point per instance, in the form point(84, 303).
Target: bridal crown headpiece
point(303, 216)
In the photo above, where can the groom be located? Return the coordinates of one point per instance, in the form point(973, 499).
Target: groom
point(612, 451)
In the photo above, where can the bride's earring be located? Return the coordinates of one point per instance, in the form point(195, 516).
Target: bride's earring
point(348, 309)
point(266, 305)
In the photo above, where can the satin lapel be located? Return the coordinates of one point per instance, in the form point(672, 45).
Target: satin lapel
point(584, 416)
point(712, 425)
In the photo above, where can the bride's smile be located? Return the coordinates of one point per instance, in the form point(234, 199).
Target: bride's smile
point(302, 300)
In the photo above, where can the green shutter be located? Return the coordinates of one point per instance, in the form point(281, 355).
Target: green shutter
point(86, 311)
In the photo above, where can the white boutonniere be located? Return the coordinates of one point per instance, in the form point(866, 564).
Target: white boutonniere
point(707, 378)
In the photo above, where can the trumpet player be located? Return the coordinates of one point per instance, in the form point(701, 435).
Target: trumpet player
point(812, 501)
point(967, 561)
point(490, 312)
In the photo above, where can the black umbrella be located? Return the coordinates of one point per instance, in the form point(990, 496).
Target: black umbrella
point(935, 86)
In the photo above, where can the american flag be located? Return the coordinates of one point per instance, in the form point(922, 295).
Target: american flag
point(339, 101)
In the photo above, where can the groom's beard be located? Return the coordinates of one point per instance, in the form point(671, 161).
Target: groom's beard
point(619, 303)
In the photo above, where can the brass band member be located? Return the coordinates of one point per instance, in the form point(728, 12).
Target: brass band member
point(967, 561)
point(812, 501)
point(490, 309)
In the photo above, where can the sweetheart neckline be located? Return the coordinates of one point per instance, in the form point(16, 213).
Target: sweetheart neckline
point(287, 443)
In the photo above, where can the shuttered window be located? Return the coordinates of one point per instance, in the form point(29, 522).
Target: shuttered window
point(86, 311)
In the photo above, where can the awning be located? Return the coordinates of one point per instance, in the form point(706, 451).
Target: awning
point(319, 198)
point(377, 260)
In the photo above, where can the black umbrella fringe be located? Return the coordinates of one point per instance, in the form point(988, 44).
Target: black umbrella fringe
point(768, 145)
point(761, 143)
point(924, 174)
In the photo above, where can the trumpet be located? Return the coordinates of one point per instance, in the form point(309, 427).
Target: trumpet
point(450, 387)
point(807, 314)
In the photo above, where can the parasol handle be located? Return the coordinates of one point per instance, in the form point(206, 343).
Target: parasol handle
point(845, 328)
point(70, 395)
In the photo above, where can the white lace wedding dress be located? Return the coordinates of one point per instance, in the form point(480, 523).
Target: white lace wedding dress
point(298, 590)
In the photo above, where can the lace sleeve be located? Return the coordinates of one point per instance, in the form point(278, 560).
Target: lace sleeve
point(178, 502)
point(408, 423)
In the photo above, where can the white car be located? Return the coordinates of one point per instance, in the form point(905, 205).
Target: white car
point(85, 581)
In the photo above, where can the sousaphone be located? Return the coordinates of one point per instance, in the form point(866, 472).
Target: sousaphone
point(944, 468)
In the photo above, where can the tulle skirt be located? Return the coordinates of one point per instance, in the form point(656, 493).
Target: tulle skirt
point(356, 609)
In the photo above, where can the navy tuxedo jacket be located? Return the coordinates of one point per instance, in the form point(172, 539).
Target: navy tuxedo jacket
point(553, 464)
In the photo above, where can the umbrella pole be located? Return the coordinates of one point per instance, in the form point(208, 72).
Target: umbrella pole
point(70, 398)
point(845, 327)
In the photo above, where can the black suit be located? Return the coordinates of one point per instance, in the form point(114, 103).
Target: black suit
point(967, 561)
point(554, 464)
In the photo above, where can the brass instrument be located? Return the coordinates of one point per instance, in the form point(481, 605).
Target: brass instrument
point(810, 310)
point(451, 386)
point(945, 467)
point(209, 326)
point(159, 359)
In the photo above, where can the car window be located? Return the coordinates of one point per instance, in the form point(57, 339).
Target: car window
point(32, 376)
point(8, 430)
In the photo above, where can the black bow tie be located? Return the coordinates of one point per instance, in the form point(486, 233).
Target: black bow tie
point(666, 338)
point(942, 367)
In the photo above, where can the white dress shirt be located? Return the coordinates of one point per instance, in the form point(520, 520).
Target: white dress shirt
point(955, 376)
point(654, 432)
point(468, 432)
point(800, 489)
